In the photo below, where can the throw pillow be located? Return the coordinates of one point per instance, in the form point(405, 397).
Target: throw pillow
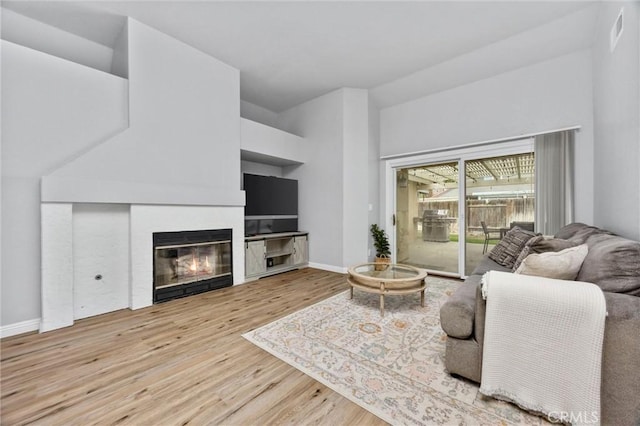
point(507, 250)
point(526, 250)
point(613, 264)
point(562, 265)
point(543, 245)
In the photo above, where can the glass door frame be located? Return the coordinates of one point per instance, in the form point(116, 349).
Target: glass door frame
point(456, 154)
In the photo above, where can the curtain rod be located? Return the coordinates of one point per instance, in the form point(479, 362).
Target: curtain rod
point(488, 142)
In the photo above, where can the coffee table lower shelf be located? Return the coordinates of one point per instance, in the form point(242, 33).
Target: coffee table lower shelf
point(382, 291)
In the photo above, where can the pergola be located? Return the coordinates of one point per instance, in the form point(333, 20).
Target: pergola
point(506, 170)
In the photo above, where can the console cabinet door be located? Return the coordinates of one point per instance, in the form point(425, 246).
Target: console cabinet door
point(255, 258)
point(300, 250)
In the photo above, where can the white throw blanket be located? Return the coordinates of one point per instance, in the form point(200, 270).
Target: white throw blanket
point(543, 345)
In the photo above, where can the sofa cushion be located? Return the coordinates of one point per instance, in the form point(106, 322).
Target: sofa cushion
point(561, 265)
point(613, 263)
point(486, 265)
point(543, 245)
point(507, 250)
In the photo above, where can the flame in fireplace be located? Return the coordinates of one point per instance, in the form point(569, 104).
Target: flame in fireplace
point(194, 266)
point(206, 263)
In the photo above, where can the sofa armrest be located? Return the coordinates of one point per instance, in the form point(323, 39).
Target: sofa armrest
point(458, 312)
point(481, 312)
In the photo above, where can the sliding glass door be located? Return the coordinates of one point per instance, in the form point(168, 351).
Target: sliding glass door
point(499, 194)
point(447, 214)
point(427, 216)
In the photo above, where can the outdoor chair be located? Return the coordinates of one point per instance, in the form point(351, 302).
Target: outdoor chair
point(487, 236)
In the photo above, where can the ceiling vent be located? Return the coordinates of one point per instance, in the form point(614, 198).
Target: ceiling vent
point(616, 30)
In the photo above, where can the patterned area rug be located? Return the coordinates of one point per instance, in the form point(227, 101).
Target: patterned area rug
point(391, 366)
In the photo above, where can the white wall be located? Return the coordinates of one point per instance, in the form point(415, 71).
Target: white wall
point(560, 36)
point(1, 212)
point(320, 180)
point(257, 113)
point(53, 110)
point(20, 249)
point(34, 34)
point(184, 123)
point(616, 89)
point(334, 183)
point(373, 172)
point(355, 196)
point(549, 95)
point(57, 266)
point(120, 61)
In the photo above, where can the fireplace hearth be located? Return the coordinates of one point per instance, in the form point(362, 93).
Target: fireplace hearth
point(191, 262)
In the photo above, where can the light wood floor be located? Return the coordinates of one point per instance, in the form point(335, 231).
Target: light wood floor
point(176, 363)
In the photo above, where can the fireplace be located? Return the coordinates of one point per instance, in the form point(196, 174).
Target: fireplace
point(191, 262)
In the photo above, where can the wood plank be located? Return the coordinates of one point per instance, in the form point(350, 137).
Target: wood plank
point(179, 362)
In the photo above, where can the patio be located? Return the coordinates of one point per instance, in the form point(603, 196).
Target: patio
point(442, 256)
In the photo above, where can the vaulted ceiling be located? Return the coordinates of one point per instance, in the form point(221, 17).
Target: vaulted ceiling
point(290, 52)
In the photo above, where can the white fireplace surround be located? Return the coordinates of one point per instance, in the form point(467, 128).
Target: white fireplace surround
point(64, 271)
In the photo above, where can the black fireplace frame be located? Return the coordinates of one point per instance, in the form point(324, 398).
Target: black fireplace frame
point(161, 239)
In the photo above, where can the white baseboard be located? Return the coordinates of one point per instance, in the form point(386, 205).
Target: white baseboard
point(330, 268)
point(19, 328)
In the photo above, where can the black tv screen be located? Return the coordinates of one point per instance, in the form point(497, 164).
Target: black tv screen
point(270, 196)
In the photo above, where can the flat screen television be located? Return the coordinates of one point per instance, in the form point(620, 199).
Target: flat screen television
point(271, 204)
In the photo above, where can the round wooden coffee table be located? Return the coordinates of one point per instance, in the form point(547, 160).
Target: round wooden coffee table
point(389, 278)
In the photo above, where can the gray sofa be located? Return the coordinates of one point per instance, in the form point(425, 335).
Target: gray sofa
point(613, 263)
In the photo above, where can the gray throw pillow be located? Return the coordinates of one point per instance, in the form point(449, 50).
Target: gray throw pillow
point(540, 244)
point(506, 252)
point(613, 263)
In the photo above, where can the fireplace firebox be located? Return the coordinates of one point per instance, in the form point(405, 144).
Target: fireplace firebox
point(191, 262)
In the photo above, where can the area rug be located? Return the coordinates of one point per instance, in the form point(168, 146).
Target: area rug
point(391, 366)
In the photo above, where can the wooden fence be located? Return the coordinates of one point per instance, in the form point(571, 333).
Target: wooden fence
point(497, 213)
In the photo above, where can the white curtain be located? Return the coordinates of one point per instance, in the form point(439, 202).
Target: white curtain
point(554, 181)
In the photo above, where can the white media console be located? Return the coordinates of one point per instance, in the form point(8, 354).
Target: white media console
point(269, 254)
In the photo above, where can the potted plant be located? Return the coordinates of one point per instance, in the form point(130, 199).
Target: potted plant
point(381, 243)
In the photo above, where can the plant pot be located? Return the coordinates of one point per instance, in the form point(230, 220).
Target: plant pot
point(382, 263)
